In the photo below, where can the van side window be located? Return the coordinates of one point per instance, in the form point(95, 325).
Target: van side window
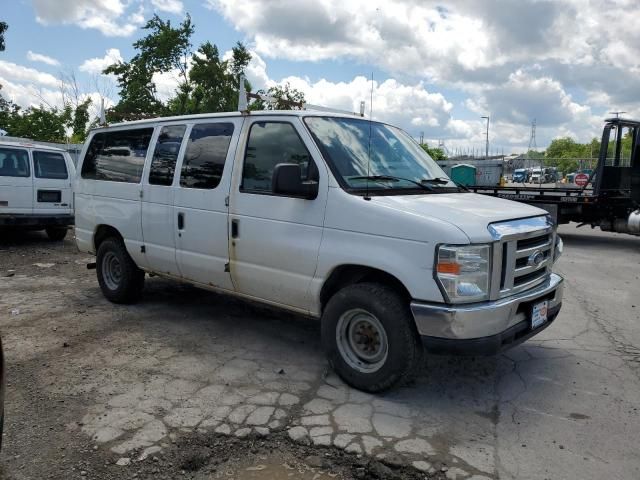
point(163, 164)
point(269, 144)
point(14, 163)
point(117, 156)
point(205, 156)
point(49, 165)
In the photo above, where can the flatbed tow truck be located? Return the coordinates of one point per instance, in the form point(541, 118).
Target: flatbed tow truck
point(611, 197)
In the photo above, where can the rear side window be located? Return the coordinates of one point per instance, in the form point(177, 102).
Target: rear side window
point(49, 165)
point(269, 144)
point(205, 156)
point(117, 156)
point(163, 164)
point(14, 163)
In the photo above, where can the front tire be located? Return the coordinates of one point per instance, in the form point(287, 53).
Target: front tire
point(56, 234)
point(120, 279)
point(370, 338)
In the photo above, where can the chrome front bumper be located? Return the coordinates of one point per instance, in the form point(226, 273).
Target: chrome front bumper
point(488, 319)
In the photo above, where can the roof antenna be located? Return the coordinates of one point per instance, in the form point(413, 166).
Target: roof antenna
point(243, 106)
point(103, 118)
point(367, 196)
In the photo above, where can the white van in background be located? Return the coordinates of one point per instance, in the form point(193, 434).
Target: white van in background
point(36, 188)
point(331, 216)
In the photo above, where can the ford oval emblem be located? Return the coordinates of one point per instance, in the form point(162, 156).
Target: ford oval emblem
point(535, 259)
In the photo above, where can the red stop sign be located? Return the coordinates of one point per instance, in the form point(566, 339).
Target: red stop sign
point(581, 179)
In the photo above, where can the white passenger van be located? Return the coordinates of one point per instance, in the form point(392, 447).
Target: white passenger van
point(330, 216)
point(36, 188)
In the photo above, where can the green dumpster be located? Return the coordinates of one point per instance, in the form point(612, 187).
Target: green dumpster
point(463, 174)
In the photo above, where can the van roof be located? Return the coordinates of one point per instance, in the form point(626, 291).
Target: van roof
point(201, 116)
point(33, 144)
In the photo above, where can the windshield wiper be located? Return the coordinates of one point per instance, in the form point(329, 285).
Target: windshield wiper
point(390, 178)
point(444, 181)
point(436, 180)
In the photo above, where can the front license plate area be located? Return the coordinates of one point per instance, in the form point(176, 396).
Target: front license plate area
point(539, 314)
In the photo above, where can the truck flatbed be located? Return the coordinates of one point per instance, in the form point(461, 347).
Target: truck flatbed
point(611, 199)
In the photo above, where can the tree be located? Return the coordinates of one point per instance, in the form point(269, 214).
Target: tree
point(163, 50)
point(80, 121)
point(3, 28)
point(36, 123)
point(435, 153)
point(214, 82)
point(137, 92)
point(286, 98)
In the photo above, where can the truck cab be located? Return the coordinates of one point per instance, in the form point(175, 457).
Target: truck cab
point(36, 188)
point(331, 216)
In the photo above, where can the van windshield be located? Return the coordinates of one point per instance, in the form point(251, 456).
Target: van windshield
point(373, 156)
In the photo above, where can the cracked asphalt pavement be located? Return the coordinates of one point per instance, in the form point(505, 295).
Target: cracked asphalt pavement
point(97, 390)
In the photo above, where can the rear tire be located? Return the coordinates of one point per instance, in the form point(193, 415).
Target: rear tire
point(56, 234)
point(370, 338)
point(120, 279)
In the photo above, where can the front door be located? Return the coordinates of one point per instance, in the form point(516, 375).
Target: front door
point(275, 239)
point(158, 211)
point(201, 202)
point(16, 185)
point(52, 192)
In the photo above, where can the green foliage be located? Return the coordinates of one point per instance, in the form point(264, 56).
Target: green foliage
point(137, 92)
point(213, 82)
point(164, 49)
point(435, 153)
point(568, 155)
point(3, 28)
point(287, 98)
point(208, 84)
point(36, 123)
point(45, 124)
point(79, 121)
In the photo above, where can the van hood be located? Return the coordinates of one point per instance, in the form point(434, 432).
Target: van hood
point(470, 212)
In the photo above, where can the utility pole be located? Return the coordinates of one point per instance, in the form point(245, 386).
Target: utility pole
point(532, 143)
point(421, 138)
point(486, 157)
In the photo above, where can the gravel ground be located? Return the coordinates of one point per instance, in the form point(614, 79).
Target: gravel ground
point(189, 384)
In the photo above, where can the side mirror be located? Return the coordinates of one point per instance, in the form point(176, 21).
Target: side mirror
point(287, 180)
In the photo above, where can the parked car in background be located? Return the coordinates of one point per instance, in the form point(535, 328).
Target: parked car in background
point(36, 188)
point(543, 175)
point(331, 216)
point(520, 175)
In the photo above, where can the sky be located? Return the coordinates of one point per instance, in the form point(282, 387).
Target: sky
point(437, 66)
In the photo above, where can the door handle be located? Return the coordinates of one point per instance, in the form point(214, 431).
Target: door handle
point(180, 221)
point(234, 228)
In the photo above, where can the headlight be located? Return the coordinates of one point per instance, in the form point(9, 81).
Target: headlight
point(463, 272)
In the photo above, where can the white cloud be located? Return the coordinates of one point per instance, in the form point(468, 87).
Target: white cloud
point(411, 106)
point(107, 16)
point(469, 45)
point(166, 84)
point(169, 6)
point(18, 73)
point(38, 57)
point(29, 95)
point(98, 64)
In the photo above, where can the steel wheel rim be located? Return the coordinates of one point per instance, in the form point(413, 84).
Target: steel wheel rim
point(111, 271)
point(362, 341)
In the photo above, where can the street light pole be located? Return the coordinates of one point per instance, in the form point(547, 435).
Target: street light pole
point(486, 155)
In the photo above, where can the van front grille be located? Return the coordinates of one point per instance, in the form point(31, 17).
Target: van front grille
point(524, 255)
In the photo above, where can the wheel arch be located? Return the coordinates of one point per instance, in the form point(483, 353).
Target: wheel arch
point(350, 274)
point(103, 232)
